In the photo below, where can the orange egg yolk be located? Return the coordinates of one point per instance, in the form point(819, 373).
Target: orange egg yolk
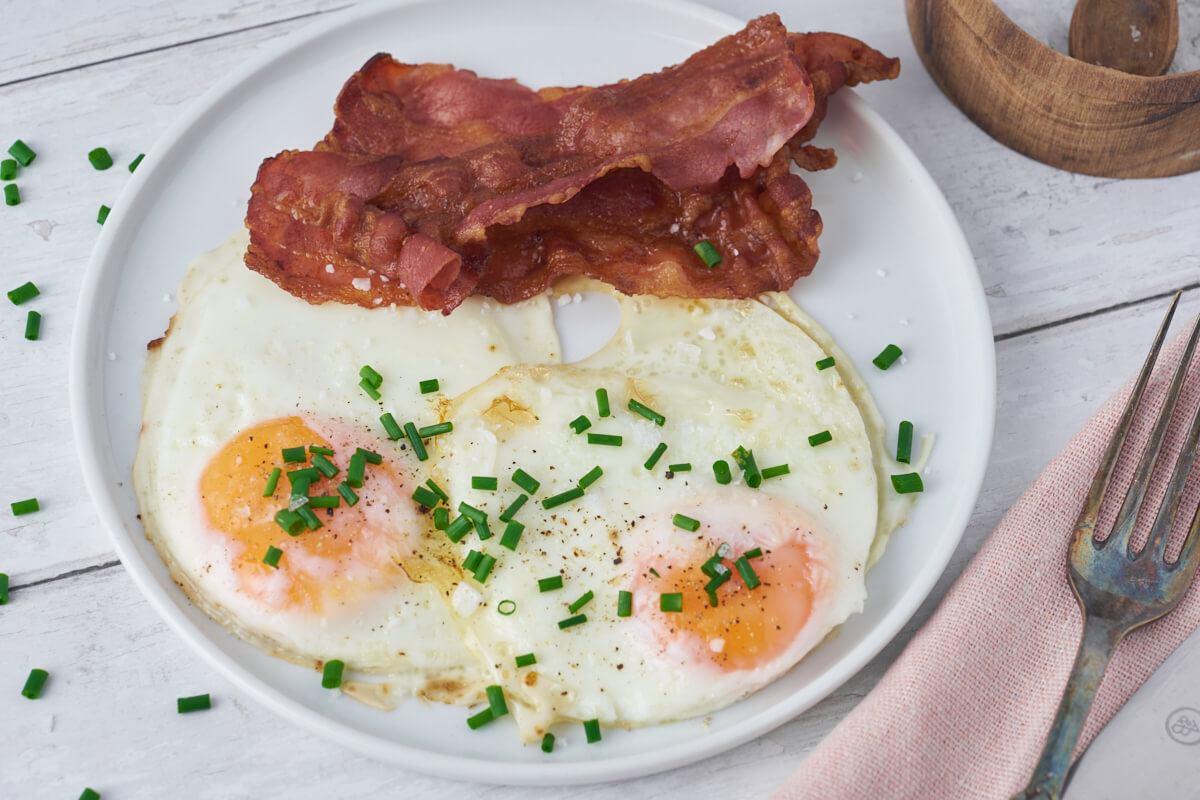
point(356, 551)
point(750, 627)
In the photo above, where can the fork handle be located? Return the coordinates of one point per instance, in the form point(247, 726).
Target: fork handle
point(1100, 638)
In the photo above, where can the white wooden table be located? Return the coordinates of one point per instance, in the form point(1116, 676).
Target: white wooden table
point(1075, 269)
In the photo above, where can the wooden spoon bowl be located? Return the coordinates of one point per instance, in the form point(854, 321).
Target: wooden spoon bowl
point(1051, 107)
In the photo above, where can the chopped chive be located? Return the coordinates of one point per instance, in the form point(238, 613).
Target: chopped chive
point(548, 743)
point(512, 534)
point(271, 559)
point(484, 568)
point(355, 472)
point(3, 589)
point(133, 165)
point(608, 439)
point(721, 472)
point(571, 622)
point(745, 459)
point(21, 152)
point(550, 584)
point(294, 455)
point(89, 794)
point(324, 501)
point(708, 254)
point(439, 491)
point(425, 497)
point(26, 291)
point(680, 467)
point(507, 514)
point(529, 659)
point(709, 567)
point(310, 518)
point(22, 507)
point(580, 424)
point(33, 325)
point(602, 408)
point(472, 561)
point(495, 696)
point(480, 719)
point(564, 497)
point(776, 471)
point(825, 363)
point(368, 373)
point(715, 583)
point(372, 391)
point(472, 513)
point(656, 455)
point(290, 521)
point(369, 456)
point(102, 214)
point(100, 158)
point(908, 483)
point(331, 673)
point(484, 483)
point(654, 572)
point(199, 702)
point(592, 476)
point(34, 683)
point(887, 357)
point(304, 476)
point(324, 465)
point(318, 450)
point(12, 195)
point(481, 527)
point(506, 608)
point(8, 169)
point(525, 481)
point(820, 438)
point(429, 431)
point(671, 601)
point(687, 523)
point(459, 528)
point(414, 438)
point(591, 730)
point(429, 386)
point(904, 442)
point(391, 427)
point(646, 411)
point(441, 518)
point(624, 603)
point(582, 601)
point(747, 572)
point(725, 549)
point(755, 553)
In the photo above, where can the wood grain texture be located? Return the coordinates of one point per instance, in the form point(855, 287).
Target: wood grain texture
point(1137, 37)
point(1051, 107)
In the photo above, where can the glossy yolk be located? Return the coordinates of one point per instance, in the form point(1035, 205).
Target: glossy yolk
point(356, 551)
point(749, 628)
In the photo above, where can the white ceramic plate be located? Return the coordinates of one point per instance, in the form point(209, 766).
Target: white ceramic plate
point(895, 268)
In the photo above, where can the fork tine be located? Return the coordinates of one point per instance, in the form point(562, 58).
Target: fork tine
point(1127, 517)
point(1161, 532)
point(1086, 523)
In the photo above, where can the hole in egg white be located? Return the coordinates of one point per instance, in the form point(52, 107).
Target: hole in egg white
point(585, 321)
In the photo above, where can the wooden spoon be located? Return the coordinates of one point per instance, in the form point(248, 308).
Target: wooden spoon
point(1134, 36)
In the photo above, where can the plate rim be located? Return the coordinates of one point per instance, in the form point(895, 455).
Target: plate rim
point(89, 438)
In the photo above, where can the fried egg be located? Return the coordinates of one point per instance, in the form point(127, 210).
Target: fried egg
point(247, 371)
point(633, 506)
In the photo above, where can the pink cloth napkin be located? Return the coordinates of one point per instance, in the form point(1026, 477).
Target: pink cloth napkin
point(964, 710)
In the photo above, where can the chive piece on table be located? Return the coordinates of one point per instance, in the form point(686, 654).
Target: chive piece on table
point(581, 601)
point(826, 363)
point(484, 483)
point(656, 455)
point(687, 523)
point(591, 730)
point(8, 169)
point(776, 471)
point(22, 153)
point(512, 534)
point(12, 195)
point(331, 673)
point(624, 603)
point(271, 559)
point(550, 584)
point(133, 165)
point(671, 601)
point(429, 386)
point(721, 472)
point(34, 683)
point(3, 589)
point(904, 442)
point(22, 507)
point(602, 408)
point(33, 325)
point(26, 291)
point(563, 497)
point(548, 743)
point(100, 158)
point(580, 424)
point(199, 702)
point(646, 411)
point(908, 483)
point(708, 254)
point(495, 696)
point(820, 438)
point(414, 439)
point(89, 794)
point(102, 214)
point(887, 357)
point(571, 622)
point(527, 660)
point(391, 427)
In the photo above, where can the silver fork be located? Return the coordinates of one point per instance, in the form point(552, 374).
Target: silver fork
point(1119, 589)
